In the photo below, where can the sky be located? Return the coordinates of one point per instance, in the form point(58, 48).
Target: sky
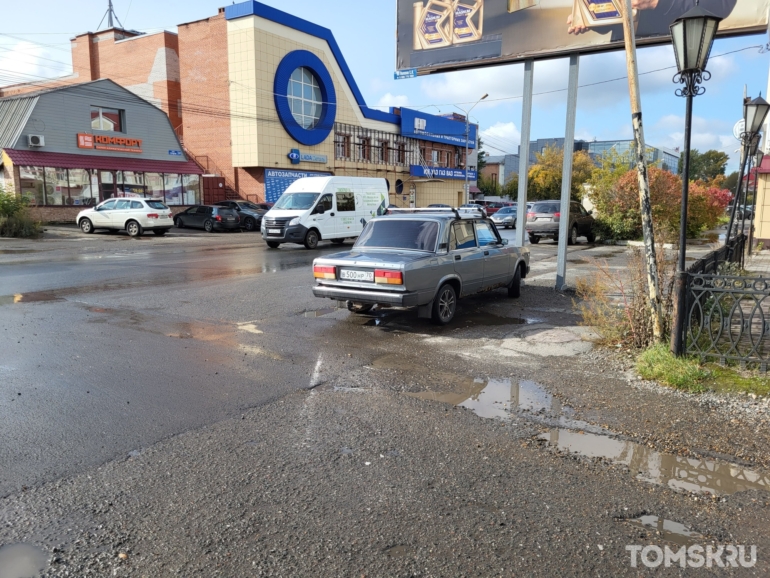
point(34, 43)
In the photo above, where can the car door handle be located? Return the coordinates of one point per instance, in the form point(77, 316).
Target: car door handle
point(486, 252)
point(331, 214)
point(458, 257)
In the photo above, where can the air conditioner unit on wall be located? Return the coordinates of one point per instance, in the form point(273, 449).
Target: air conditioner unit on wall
point(35, 140)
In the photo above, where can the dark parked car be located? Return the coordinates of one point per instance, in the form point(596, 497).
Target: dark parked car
point(251, 213)
point(543, 220)
point(209, 218)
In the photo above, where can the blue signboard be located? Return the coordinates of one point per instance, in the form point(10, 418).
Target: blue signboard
point(417, 124)
point(277, 181)
point(441, 173)
point(175, 153)
point(406, 73)
point(296, 157)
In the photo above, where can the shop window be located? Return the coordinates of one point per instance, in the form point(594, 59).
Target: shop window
point(154, 185)
point(174, 189)
point(106, 119)
point(84, 187)
point(56, 187)
point(346, 202)
point(32, 183)
point(131, 184)
point(305, 98)
point(192, 189)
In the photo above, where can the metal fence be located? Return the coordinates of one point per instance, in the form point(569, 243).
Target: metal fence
point(728, 315)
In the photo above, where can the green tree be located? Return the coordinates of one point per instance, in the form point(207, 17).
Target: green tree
point(731, 182)
point(545, 176)
point(481, 157)
point(705, 166)
point(489, 186)
point(511, 188)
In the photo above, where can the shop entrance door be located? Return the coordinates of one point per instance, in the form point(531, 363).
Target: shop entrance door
point(107, 188)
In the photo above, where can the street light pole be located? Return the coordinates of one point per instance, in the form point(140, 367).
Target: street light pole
point(758, 164)
point(693, 35)
point(467, 145)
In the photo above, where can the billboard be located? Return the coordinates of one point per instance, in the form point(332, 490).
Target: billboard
point(434, 128)
point(435, 35)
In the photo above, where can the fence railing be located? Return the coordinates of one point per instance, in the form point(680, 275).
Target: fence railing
point(728, 316)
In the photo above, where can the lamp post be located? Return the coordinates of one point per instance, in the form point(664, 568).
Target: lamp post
point(467, 138)
point(758, 158)
point(693, 35)
point(754, 114)
point(753, 148)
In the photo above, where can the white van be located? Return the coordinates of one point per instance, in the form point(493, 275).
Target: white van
point(317, 209)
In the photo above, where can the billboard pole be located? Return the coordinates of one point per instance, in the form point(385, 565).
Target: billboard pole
point(566, 173)
point(653, 282)
point(526, 123)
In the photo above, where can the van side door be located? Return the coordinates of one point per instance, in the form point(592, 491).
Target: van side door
point(348, 223)
point(324, 222)
point(467, 256)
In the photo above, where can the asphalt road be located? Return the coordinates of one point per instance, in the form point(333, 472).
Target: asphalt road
point(187, 403)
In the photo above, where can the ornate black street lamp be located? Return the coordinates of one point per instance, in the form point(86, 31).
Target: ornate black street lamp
point(693, 35)
point(753, 148)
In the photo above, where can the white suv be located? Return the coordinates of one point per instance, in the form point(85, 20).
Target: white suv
point(133, 215)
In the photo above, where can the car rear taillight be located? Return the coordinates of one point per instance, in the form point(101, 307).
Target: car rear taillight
point(388, 277)
point(218, 217)
point(152, 215)
point(557, 215)
point(324, 272)
point(530, 216)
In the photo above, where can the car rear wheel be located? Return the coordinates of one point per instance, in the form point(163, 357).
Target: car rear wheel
point(273, 244)
point(572, 239)
point(208, 226)
point(160, 232)
point(514, 289)
point(534, 239)
point(444, 305)
point(359, 307)
point(86, 226)
point(133, 229)
point(311, 239)
point(591, 236)
point(178, 222)
point(249, 224)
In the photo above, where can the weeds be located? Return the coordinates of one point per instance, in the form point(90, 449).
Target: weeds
point(14, 218)
point(659, 364)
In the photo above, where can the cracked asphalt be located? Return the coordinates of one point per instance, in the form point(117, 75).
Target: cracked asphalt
point(184, 407)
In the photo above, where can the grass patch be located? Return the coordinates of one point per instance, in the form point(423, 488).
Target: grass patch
point(659, 364)
point(21, 226)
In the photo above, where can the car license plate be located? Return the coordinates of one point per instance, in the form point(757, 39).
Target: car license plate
point(274, 231)
point(164, 216)
point(356, 275)
point(543, 219)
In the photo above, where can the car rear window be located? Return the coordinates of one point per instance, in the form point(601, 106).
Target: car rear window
point(548, 208)
point(225, 211)
point(399, 234)
point(156, 205)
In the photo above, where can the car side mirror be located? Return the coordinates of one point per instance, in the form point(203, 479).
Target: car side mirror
point(504, 242)
point(319, 210)
point(591, 212)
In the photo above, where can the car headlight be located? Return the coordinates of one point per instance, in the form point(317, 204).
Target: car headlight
point(294, 221)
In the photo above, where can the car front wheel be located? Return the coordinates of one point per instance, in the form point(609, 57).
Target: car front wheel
point(444, 305)
point(311, 239)
point(572, 239)
point(534, 239)
point(273, 244)
point(178, 222)
point(87, 226)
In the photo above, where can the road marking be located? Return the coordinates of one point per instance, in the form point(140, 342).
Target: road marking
point(250, 327)
point(315, 377)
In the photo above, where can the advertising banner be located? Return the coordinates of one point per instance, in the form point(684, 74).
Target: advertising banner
point(435, 35)
point(441, 173)
point(277, 181)
point(434, 128)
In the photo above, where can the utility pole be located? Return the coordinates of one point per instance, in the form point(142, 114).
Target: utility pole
point(653, 283)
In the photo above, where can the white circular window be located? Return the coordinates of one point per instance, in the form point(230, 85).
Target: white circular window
point(305, 98)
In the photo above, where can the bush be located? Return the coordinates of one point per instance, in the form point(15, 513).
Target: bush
point(14, 218)
point(20, 225)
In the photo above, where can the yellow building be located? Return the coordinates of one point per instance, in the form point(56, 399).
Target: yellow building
point(295, 110)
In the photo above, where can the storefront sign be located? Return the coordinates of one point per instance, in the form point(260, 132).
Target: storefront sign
point(109, 143)
point(440, 173)
point(296, 157)
point(175, 153)
point(277, 181)
point(417, 124)
point(406, 73)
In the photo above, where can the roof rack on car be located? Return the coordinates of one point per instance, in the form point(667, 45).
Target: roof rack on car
point(456, 211)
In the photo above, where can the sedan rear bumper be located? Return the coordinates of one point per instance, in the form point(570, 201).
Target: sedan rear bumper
point(370, 297)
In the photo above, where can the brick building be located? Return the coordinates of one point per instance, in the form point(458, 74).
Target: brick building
point(145, 64)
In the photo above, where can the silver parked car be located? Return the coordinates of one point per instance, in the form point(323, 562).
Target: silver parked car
point(543, 220)
point(422, 258)
point(505, 217)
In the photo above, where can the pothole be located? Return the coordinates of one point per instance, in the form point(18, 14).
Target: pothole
point(668, 530)
point(22, 561)
point(676, 472)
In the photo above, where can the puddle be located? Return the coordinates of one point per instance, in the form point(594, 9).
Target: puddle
point(668, 530)
point(346, 451)
point(22, 561)
point(646, 464)
point(397, 551)
point(18, 251)
point(39, 297)
point(320, 312)
point(464, 319)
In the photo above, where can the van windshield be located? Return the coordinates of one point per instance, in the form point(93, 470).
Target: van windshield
point(300, 201)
